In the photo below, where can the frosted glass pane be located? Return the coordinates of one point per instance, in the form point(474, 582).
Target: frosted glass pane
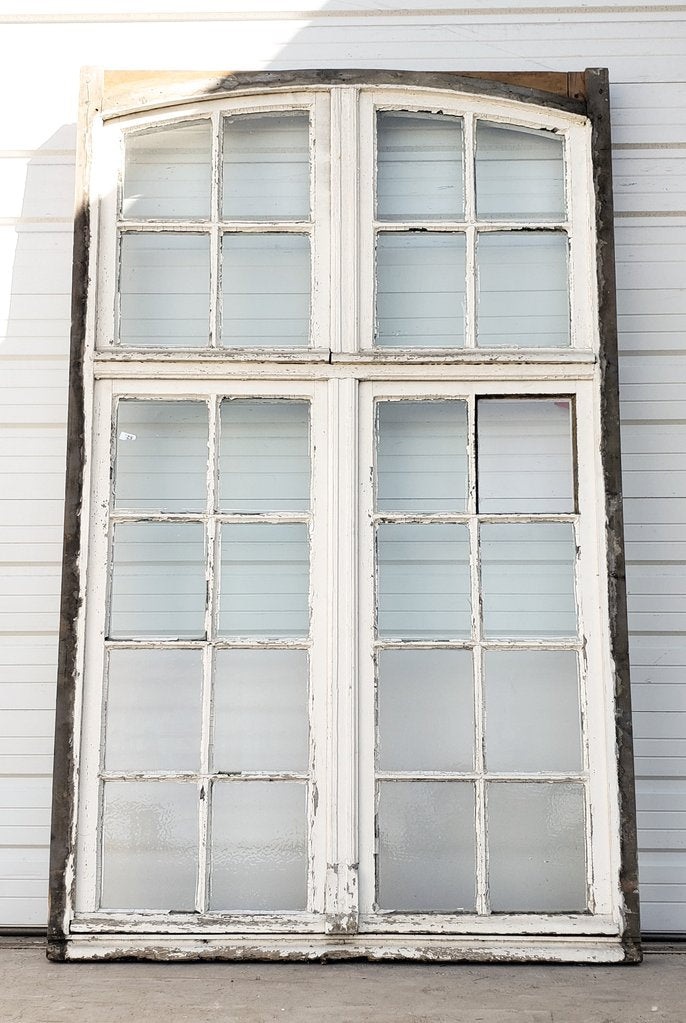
point(523, 290)
point(527, 578)
point(266, 290)
point(422, 456)
point(161, 462)
point(164, 290)
point(265, 581)
point(525, 456)
point(537, 860)
point(267, 167)
point(260, 710)
point(532, 710)
point(154, 701)
point(420, 290)
point(167, 172)
point(149, 845)
point(425, 710)
point(419, 166)
point(158, 580)
point(264, 456)
point(519, 173)
point(259, 846)
point(424, 590)
point(426, 846)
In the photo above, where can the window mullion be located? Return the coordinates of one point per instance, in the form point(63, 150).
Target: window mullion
point(215, 200)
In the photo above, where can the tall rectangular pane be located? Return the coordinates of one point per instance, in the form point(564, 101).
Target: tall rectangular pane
point(419, 172)
point(266, 166)
point(167, 172)
point(519, 173)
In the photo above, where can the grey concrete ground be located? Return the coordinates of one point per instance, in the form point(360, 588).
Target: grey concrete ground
point(35, 991)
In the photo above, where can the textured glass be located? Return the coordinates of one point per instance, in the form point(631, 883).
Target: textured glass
point(423, 584)
point(519, 173)
point(421, 456)
point(265, 290)
point(154, 704)
point(264, 456)
point(260, 710)
point(532, 710)
point(259, 846)
point(266, 168)
point(161, 462)
point(536, 847)
point(527, 580)
point(523, 290)
point(425, 710)
point(426, 846)
point(420, 290)
point(167, 172)
point(525, 456)
point(158, 580)
point(265, 581)
point(149, 845)
point(164, 290)
point(419, 166)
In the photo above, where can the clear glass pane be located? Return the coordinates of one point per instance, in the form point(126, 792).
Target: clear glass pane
point(265, 581)
point(532, 710)
point(158, 580)
point(266, 290)
point(420, 290)
point(527, 578)
point(419, 166)
point(259, 846)
point(536, 847)
point(426, 846)
point(425, 710)
point(161, 462)
point(266, 170)
point(519, 173)
point(154, 704)
point(523, 290)
point(167, 172)
point(525, 455)
point(149, 845)
point(260, 710)
point(264, 456)
point(164, 290)
point(421, 456)
point(424, 590)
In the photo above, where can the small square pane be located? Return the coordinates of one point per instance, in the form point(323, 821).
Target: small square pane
point(519, 173)
point(265, 290)
point(167, 172)
point(266, 166)
point(419, 166)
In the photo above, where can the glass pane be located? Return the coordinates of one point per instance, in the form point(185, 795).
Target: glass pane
point(259, 846)
point(165, 290)
point(161, 460)
point(425, 710)
point(154, 703)
point(523, 291)
point(527, 578)
point(158, 580)
point(422, 456)
point(167, 172)
point(519, 173)
point(267, 167)
point(420, 290)
point(424, 590)
point(266, 290)
point(260, 710)
point(265, 581)
point(536, 851)
point(264, 456)
point(525, 456)
point(532, 710)
point(419, 166)
point(426, 846)
point(149, 845)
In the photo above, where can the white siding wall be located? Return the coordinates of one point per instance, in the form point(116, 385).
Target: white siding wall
point(644, 47)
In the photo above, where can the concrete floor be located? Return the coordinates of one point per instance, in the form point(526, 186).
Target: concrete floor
point(35, 991)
